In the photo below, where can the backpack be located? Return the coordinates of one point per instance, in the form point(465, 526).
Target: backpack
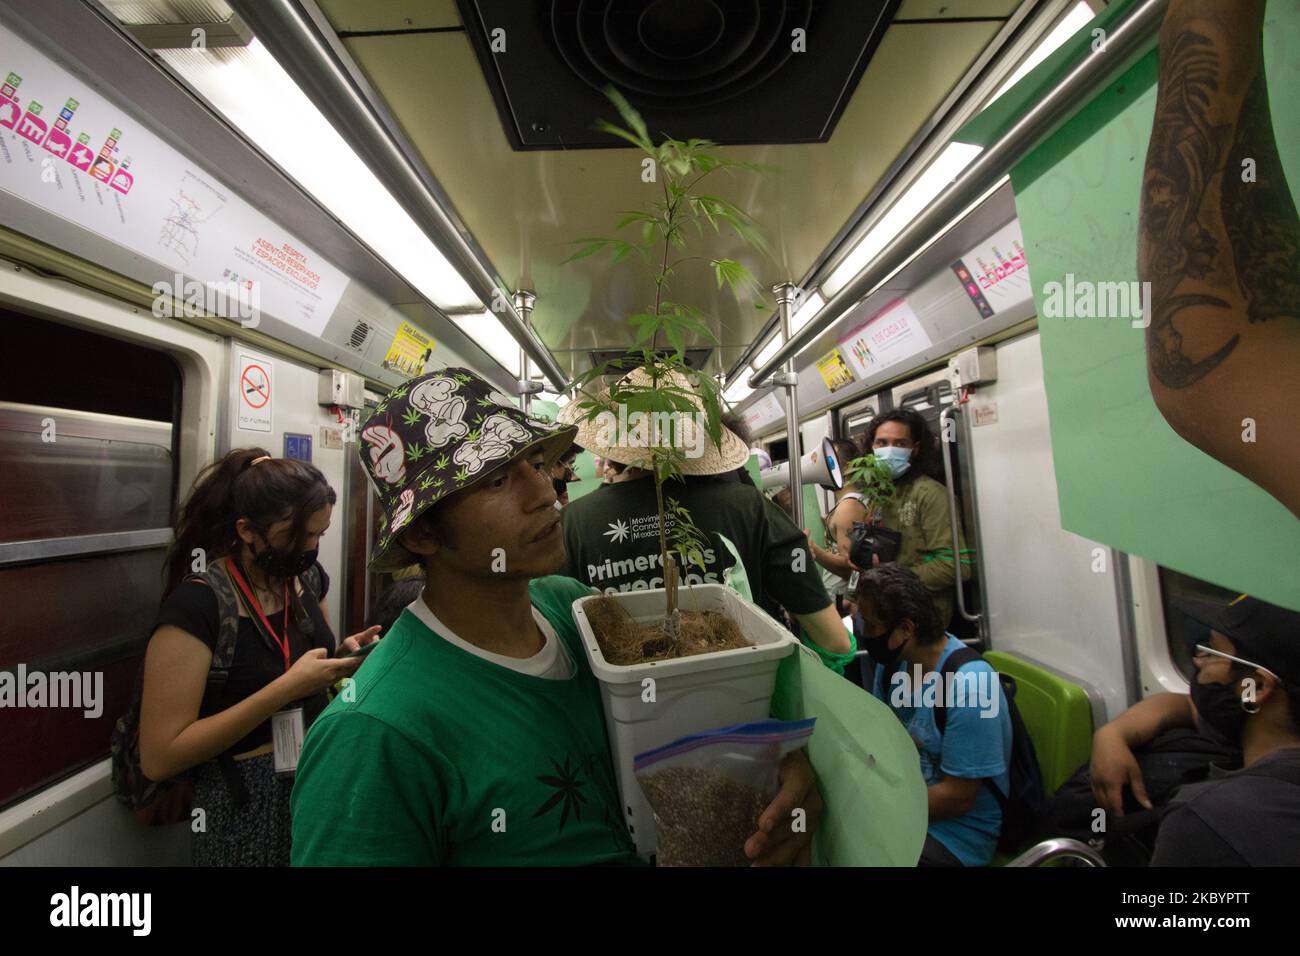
point(1019, 807)
point(164, 802)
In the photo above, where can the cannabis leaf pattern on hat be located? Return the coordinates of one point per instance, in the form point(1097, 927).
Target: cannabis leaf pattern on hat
point(439, 434)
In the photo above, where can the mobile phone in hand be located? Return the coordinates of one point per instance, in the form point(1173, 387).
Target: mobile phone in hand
point(363, 651)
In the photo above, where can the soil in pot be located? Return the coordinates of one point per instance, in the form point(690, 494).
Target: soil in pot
point(624, 641)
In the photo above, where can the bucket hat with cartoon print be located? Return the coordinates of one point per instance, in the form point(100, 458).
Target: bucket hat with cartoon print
point(439, 434)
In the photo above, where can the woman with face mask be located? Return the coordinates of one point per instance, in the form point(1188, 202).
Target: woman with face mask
point(245, 547)
point(919, 509)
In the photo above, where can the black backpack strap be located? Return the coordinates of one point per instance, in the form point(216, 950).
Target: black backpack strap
point(311, 585)
point(956, 660)
point(223, 655)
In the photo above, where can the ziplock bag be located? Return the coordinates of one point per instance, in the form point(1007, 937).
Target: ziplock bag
point(707, 790)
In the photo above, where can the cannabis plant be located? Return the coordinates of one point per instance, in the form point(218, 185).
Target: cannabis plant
point(873, 478)
point(662, 234)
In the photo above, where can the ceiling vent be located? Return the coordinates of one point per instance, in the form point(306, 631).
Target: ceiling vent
point(621, 361)
point(733, 71)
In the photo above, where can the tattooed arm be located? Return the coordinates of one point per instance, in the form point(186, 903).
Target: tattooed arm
point(1219, 242)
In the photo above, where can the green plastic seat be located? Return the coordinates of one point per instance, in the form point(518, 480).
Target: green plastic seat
point(1057, 716)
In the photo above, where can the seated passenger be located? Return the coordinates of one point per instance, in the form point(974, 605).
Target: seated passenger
point(611, 536)
point(1248, 690)
point(901, 628)
point(475, 734)
point(919, 510)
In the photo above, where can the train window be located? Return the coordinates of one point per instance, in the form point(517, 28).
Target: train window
point(88, 454)
point(1175, 586)
point(931, 397)
point(855, 426)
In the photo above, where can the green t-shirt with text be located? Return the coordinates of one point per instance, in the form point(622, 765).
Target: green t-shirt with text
point(443, 758)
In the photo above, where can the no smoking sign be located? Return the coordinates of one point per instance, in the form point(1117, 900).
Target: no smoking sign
point(254, 387)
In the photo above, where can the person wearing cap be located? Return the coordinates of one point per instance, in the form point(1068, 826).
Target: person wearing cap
point(1247, 690)
point(562, 474)
point(611, 536)
point(475, 733)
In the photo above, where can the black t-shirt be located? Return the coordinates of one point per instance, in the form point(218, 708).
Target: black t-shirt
point(1240, 819)
point(611, 540)
point(192, 607)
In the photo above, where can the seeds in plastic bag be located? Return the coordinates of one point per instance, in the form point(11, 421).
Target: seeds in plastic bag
point(702, 817)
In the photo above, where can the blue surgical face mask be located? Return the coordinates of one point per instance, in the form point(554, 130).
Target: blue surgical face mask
point(900, 459)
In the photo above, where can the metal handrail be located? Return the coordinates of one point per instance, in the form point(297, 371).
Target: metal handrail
point(1058, 848)
point(784, 293)
point(1127, 39)
point(944, 417)
point(305, 55)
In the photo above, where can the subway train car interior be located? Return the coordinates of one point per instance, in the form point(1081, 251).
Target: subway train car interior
point(880, 414)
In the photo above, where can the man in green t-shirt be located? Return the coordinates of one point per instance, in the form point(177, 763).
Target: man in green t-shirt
point(474, 733)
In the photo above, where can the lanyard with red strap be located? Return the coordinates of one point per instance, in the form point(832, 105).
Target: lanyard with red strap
point(283, 643)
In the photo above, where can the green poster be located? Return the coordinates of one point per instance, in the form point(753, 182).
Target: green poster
point(1124, 476)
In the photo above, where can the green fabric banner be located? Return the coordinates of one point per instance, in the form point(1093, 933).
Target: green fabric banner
point(868, 770)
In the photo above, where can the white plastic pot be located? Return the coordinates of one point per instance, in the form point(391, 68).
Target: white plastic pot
point(649, 705)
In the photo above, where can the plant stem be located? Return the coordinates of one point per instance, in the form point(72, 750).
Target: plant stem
point(663, 533)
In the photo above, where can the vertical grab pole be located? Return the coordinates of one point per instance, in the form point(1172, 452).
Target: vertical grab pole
point(944, 417)
point(785, 294)
point(524, 302)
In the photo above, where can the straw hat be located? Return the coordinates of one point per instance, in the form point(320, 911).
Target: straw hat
point(616, 436)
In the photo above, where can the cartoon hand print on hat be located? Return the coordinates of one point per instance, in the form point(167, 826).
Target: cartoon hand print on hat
point(387, 457)
point(435, 398)
point(473, 455)
point(501, 428)
point(403, 512)
point(501, 399)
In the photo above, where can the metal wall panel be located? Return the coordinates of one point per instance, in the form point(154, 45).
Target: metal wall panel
point(293, 389)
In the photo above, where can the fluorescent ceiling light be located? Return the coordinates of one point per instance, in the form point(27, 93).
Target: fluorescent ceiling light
point(487, 332)
point(767, 352)
point(738, 390)
point(258, 98)
point(1068, 27)
point(945, 168)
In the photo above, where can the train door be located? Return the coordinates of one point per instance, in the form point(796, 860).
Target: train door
point(1051, 596)
point(931, 396)
point(99, 436)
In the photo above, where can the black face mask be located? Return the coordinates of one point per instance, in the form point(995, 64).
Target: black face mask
point(877, 647)
point(284, 564)
point(1219, 706)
